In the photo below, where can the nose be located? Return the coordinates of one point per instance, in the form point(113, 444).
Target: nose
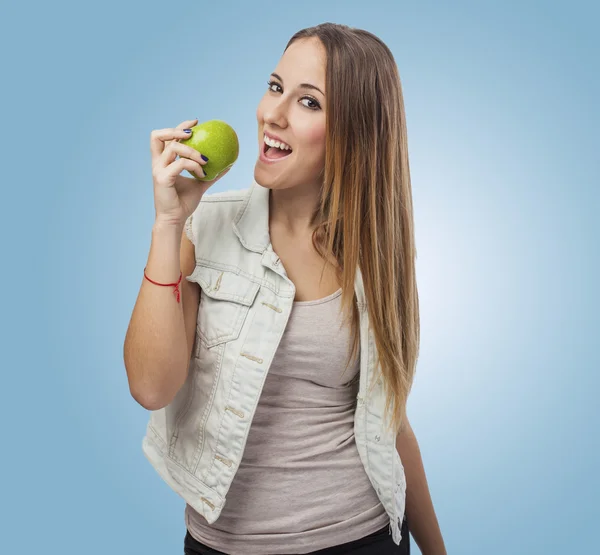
point(275, 114)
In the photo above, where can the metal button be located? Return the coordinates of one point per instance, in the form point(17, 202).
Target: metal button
point(377, 438)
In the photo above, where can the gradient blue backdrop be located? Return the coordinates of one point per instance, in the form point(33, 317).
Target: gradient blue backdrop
point(502, 108)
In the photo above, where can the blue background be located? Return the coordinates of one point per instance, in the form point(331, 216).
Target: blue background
point(502, 108)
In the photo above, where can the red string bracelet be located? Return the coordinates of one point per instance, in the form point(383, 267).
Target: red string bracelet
point(176, 292)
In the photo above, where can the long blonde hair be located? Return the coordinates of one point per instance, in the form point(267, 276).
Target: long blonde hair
point(365, 215)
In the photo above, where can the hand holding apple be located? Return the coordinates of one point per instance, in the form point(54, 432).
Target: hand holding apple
point(176, 196)
point(218, 142)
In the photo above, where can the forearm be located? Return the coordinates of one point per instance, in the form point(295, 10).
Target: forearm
point(155, 348)
point(422, 521)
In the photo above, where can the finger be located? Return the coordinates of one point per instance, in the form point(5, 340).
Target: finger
point(184, 125)
point(184, 151)
point(175, 149)
point(160, 138)
point(185, 164)
point(187, 123)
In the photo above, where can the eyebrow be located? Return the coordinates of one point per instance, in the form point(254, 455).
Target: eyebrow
point(301, 85)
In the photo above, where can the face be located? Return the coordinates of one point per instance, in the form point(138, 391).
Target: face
point(295, 114)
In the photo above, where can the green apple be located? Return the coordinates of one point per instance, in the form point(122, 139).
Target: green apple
point(218, 141)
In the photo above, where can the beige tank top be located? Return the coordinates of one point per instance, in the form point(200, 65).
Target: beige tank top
point(300, 486)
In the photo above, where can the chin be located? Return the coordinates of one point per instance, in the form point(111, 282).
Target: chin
point(260, 179)
point(265, 180)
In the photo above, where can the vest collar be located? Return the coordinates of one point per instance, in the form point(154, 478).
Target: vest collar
point(251, 223)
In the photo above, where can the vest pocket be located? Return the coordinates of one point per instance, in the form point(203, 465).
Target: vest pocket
point(225, 301)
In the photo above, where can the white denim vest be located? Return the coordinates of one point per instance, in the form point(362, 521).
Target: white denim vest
point(196, 443)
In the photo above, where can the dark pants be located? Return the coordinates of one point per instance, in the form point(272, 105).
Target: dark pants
point(377, 543)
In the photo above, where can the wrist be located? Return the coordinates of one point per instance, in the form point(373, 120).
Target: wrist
point(163, 225)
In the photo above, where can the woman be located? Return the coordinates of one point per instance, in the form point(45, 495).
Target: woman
point(298, 292)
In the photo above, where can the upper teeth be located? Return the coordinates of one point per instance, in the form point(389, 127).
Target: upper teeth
point(277, 144)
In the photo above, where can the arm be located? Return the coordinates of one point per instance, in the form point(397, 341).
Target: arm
point(160, 336)
point(420, 514)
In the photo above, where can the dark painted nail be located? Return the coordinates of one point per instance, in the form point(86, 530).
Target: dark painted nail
point(204, 157)
point(187, 130)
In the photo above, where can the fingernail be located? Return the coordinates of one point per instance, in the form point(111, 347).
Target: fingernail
point(204, 157)
point(187, 130)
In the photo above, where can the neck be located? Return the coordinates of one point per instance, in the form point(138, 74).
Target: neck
point(291, 210)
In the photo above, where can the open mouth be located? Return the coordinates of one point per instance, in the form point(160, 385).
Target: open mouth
point(274, 153)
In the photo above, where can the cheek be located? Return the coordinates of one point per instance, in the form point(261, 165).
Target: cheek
point(314, 137)
point(317, 135)
point(318, 140)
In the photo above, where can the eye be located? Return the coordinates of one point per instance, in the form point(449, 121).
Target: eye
point(316, 105)
point(273, 83)
point(310, 99)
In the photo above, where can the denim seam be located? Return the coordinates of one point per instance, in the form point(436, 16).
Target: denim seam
point(202, 428)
